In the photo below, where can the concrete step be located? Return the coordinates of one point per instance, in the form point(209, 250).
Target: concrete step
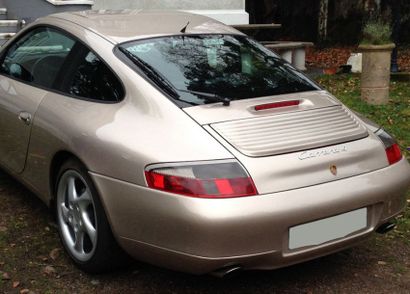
point(4, 37)
point(9, 26)
point(3, 13)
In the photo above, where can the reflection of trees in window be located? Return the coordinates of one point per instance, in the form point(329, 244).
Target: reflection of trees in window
point(230, 66)
point(95, 81)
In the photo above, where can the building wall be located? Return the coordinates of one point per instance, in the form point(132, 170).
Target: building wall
point(171, 4)
point(227, 11)
point(30, 10)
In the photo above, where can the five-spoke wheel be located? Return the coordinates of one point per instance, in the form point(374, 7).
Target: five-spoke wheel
point(76, 215)
point(82, 223)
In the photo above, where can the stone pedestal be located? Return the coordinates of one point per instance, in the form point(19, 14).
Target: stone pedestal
point(375, 81)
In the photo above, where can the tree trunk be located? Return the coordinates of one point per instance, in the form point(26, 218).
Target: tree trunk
point(323, 19)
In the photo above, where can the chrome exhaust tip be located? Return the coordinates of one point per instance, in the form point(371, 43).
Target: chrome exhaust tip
point(385, 228)
point(227, 272)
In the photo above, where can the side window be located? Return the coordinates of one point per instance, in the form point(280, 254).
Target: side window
point(92, 79)
point(37, 57)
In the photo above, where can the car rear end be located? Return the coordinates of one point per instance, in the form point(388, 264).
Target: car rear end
point(275, 204)
point(307, 176)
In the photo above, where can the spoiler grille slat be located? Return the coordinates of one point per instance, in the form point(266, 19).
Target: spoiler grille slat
point(291, 132)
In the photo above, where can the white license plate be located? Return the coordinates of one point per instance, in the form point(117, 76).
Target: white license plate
point(328, 229)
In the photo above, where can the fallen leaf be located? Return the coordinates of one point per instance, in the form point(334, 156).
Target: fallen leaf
point(381, 263)
point(25, 291)
point(5, 277)
point(49, 270)
point(95, 282)
point(16, 284)
point(3, 229)
point(55, 253)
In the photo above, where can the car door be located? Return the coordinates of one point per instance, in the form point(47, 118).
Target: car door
point(28, 69)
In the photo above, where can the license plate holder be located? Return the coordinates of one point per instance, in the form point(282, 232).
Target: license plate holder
point(329, 229)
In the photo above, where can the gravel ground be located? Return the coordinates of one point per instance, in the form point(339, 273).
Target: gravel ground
point(31, 262)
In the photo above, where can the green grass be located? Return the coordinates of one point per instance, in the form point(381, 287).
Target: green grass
point(394, 117)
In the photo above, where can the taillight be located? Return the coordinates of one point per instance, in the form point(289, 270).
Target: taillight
point(393, 152)
point(216, 179)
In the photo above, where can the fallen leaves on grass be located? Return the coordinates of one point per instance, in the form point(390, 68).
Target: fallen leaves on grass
point(49, 270)
point(55, 253)
point(335, 57)
point(328, 57)
point(5, 276)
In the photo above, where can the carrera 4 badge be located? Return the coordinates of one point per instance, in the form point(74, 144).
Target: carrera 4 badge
point(322, 152)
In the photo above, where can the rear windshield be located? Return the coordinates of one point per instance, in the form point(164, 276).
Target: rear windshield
point(234, 67)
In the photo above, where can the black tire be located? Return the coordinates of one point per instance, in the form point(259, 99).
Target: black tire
point(105, 254)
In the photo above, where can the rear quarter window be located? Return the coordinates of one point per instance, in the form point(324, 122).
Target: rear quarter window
point(92, 79)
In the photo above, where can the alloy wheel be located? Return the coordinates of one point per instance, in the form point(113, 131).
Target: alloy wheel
point(76, 216)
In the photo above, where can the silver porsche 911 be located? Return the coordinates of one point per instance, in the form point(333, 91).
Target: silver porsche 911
point(184, 143)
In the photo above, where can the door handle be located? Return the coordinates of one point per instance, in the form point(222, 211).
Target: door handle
point(25, 117)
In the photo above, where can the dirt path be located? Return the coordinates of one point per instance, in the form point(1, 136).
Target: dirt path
point(31, 260)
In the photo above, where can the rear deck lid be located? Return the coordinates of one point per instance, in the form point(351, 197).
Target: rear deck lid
point(316, 120)
point(317, 141)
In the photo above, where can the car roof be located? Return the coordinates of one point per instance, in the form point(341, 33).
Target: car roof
point(120, 26)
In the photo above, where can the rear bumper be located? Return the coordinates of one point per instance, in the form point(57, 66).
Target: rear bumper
point(203, 235)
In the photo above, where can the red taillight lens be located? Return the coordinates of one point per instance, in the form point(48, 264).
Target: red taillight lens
point(393, 154)
point(277, 105)
point(217, 180)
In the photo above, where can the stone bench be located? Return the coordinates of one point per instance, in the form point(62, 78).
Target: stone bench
point(292, 52)
point(258, 26)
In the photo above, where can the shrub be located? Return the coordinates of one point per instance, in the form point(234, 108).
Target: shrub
point(376, 32)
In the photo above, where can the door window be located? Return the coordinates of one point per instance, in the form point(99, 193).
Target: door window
point(37, 57)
